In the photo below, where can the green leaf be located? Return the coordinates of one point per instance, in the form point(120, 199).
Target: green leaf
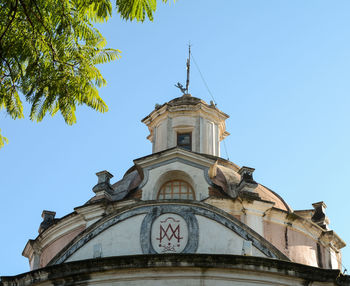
point(49, 50)
point(3, 140)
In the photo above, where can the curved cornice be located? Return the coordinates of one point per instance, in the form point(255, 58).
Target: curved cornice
point(196, 208)
point(83, 270)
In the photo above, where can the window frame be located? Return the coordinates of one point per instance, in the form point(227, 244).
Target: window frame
point(189, 191)
point(183, 146)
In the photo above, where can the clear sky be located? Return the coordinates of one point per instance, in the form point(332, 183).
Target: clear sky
point(279, 68)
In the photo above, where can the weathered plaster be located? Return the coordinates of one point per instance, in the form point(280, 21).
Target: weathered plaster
point(298, 247)
point(120, 239)
point(253, 212)
point(49, 251)
point(220, 239)
point(211, 213)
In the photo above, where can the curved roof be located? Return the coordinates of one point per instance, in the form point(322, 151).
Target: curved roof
point(269, 195)
point(227, 176)
point(185, 99)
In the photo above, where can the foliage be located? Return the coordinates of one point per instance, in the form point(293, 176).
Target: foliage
point(49, 50)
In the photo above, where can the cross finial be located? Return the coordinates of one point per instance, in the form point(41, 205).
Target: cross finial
point(183, 89)
point(188, 65)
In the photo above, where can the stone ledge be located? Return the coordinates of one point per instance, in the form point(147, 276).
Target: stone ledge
point(82, 270)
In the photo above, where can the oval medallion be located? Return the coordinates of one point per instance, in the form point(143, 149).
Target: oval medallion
point(169, 233)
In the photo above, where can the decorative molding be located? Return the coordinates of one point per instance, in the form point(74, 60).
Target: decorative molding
point(173, 160)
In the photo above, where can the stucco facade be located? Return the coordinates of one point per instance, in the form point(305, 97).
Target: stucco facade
point(184, 216)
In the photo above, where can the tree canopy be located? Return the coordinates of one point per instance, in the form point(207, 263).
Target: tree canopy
point(49, 50)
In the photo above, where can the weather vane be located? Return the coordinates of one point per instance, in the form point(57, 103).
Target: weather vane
point(188, 64)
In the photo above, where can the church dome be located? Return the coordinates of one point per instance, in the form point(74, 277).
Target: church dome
point(196, 209)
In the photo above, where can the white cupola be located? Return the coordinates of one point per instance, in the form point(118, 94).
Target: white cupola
point(187, 122)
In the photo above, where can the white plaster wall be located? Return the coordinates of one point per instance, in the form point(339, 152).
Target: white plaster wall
point(217, 238)
point(161, 136)
point(168, 128)
point(184, 124)
point(124, 239)
point(183, 121)
point(200, 185)
point(255, 222)
point(334, 260)
point(120, 239)
point(205, 134)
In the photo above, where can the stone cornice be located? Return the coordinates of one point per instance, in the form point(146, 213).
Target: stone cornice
point(200, 105)
point(175, 152)
point(84, 270)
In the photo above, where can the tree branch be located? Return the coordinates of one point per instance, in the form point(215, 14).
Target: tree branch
point(44, 38)
point(26, 13)
point(41, 19)
point(11, 20)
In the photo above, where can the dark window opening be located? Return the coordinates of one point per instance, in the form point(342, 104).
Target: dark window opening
point(184, 140)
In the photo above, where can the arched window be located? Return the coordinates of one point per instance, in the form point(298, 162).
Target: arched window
point(176, 189)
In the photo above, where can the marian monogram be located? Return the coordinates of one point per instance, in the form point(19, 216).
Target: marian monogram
point(169, 234)
point(169, 229)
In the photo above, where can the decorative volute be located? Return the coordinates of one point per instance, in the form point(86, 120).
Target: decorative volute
point(187, 122)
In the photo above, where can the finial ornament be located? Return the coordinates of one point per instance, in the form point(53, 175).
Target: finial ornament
point(188, 65)
point(183, 89)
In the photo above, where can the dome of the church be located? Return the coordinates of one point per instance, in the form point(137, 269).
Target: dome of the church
point(183, 215)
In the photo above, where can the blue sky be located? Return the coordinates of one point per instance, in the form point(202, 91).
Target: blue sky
point(279, 68)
